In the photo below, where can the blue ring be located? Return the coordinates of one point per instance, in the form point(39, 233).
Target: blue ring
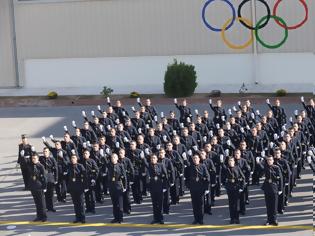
point(208, 25)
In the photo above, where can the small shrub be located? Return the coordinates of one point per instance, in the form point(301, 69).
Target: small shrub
point(134, 94)
point(52, 95)
point(106, 92)
point(281, 92)
point(180, 80)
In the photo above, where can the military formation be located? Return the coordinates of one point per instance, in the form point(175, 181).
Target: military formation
point(129, 157)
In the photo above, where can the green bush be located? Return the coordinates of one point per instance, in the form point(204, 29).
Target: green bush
point(52, 95)
point(134, 94)
point(106, 92)
point(180, 80)
point(281, 92)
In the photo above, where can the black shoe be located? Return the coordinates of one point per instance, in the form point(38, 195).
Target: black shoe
point(44, 219)
point(267, 223)
point(114, 221)
point(237, 222)
point(37, 219)
point(209, 213)
point(299, 177)
point(232, 222)
point(281, 212)
point(76, 221)
point(201, 222)
point(83, 221)
point(194, 222)
point(247, 202)
point(63, 200)
point(242, 213)
point(128, 212)
point(166, 212)
point(275, 223)
point(161, 222)
point(92, 211)
point(153, 222)
point(52, 210)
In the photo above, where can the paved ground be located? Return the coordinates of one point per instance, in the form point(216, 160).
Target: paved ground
point(17, 207)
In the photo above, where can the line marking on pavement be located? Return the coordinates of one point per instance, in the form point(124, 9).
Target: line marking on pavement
point(159, 226)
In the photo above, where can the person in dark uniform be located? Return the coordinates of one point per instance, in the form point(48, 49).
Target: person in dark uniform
point(198, 182)
point(92, 171)
point(272, 187)
point(51, 168)
point(158, 183)
point(26, 147)
point(77, 185)
point(37, 183)
point(278, 113)
point(184, 112)
point(117, 186)
point(233, 180)
point(130, 173)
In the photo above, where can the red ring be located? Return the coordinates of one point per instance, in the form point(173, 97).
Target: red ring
point(293, 26)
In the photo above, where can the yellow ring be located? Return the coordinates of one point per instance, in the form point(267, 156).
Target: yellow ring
point(233, 46)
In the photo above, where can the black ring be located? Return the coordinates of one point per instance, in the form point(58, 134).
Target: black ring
point(260, 26)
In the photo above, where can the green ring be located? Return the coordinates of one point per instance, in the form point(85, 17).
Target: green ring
point(286, 32)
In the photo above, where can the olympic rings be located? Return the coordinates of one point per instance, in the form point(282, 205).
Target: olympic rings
point(276, 45)
point(239, 13)
point(233, 46)
point(206, 22)
point(247, 23)
point(293, 26)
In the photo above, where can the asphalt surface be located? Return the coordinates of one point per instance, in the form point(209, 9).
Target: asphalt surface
point(17, 207)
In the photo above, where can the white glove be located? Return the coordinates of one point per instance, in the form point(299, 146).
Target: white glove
point(92, 113)
point(271, 144)
point(74, 124)
point(133, 108)
point(83, 114)
point(99, 108)
point(196, 112)
point(282, 133)
point(230, 111)
point(223, 118)
point(93, 181)
point(296, 112)
point(33, 149)
point(263, 154)
point(257, 112)
point(101, 152)
point(275, 136)
point(184, 156)
point(126, 140)
point(123, 113)
point(257, 159)
point(138, 100)
point(189, 152)
point(162, 114)
point(280, 192)
point(102, 128)
point(107, 150)
point(242, 130)
point(195, 148)
point(155, 118)
point(252, 115)
point(147, 126)
point(267, 101)
point(247, 127)
point(221, 158)
point(207, 192)
point(108, 127)
point(88, 143)
point(142, 155)
point(171, 185)
point(44, 139)
point(188, 120)
point(73, 151)
point(60, 154)
point(124, 190)
point(284, 127)
point(147, 151)
point(302, 99)
point(309, 159)
point(181, 125)
point(164, 190)
point(211, 133)
point(45, 190)
point(240, 190)
point(217, 126)
point(131, 183)
point(158, 147)
point(227, 152)
point(51, 137)
point(234, 108)
point(84, 145)
point(175, 101)
point(85, 190)
point(210, 101)
point(117, 121)
point(228, 142)
point(22, 153)
point(164, 138)
point(239, 103)
point(117, 145)
point(174, 132)
point(204, 138)
point(139, 131)
point(108, 100)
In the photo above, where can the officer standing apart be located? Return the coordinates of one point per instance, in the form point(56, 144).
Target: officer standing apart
point(77, 186)
point(117, 186)
point(272, 187)
point(26, 147)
